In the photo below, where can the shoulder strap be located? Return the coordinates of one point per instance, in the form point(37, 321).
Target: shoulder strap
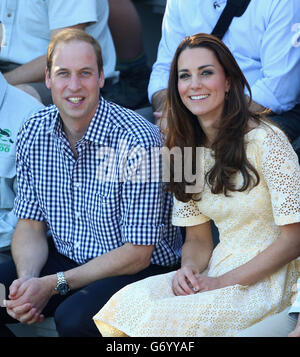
point(233, 8)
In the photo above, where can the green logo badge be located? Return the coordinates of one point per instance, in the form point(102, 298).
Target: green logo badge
point(5, 140)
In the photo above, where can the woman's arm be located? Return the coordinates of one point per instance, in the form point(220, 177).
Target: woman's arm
point(196, 253)
point(285, 249)
point(281, 252)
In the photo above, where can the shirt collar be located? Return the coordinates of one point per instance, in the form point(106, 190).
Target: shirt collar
point(55, 126)
point(98, 129)
point(3, 88)
point(100, 125)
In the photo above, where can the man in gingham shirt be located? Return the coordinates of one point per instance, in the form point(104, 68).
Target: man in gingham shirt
point(79, 178)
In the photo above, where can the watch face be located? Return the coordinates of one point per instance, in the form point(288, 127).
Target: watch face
point(63, 288)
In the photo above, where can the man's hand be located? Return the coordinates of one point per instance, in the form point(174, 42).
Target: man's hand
point(24, 312)
point(14, 291)
point(28, 297)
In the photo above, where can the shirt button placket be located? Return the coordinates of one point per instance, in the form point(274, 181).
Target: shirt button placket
point(77, 192)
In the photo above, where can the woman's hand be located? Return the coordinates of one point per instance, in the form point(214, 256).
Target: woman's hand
point(185, 281)
point(206, 283)
point(188, 281)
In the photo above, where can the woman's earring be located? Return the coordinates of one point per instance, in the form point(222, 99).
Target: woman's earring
point(226, 95)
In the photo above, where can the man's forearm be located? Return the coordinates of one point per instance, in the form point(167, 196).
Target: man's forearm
point(33, 71)
point(29, 250)
point(125, 260)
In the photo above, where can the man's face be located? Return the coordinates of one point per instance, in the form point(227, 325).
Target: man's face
point(75, 81)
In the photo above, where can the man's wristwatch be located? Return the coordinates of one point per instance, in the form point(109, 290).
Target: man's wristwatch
point(62, 286)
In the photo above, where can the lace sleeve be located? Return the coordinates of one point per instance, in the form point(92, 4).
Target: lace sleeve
point(281, 171)
point(187, 214)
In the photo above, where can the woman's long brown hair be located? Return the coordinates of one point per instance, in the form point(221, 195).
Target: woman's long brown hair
point(183, 129)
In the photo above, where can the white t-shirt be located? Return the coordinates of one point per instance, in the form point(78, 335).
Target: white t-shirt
point(15, 107)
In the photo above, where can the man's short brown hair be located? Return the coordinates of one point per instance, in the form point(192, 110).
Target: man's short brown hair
point(69, 35)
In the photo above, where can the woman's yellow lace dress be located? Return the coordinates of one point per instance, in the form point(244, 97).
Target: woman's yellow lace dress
point(248, 222)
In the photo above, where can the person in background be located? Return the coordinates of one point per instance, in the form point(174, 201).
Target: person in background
point(246, 178)
point(30, 24)
point(284, 324)
point(263, 43)
point(15, 107)
point(125, 26)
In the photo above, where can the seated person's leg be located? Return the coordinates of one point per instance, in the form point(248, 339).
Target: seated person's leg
point(126, 30)
point(30, 90)
point(37, 89)
point(279, 325)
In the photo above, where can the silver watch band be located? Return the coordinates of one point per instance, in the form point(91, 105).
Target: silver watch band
point(61, 278)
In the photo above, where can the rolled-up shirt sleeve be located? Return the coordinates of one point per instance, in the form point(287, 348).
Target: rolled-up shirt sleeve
point(143, 200)
point(26, 205)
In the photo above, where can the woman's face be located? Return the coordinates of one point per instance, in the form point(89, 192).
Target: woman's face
point(202, 84)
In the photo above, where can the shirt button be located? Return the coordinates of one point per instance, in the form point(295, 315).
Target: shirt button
point(77, 214)
point(77, 245)
point(77, 184)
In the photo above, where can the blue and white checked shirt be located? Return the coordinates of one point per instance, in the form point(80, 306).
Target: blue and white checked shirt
point(95, 203)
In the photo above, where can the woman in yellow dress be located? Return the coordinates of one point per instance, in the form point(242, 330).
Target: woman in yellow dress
point(251, 190)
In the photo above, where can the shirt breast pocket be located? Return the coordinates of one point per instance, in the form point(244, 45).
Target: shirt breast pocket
point(105, 191)
point(102, 199)
point(103, 210)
